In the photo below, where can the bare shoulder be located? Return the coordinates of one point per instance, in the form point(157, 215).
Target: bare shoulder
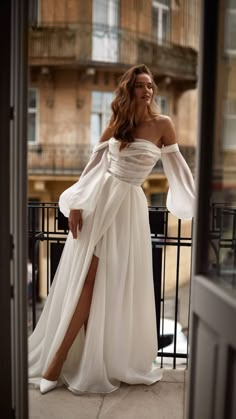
point(106, 134)
point(165, 127)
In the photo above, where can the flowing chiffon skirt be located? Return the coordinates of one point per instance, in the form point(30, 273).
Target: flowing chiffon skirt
point(120, 344)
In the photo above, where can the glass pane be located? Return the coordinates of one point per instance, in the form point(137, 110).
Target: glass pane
point(222, 247)
point(108, 97)
point(33, 12)
point(231, 32)
point(101, 113)
point(31, 127)
point(155, 22)
point(229, 133)
point(160, 22)
point(32, 98)
point(96, 101)
point(165, 25)
point(162, 103)
point(105, 12)
point(100, 12)
point(105, 45)
point(164, 2)
point(95, 128)
point(113, 13)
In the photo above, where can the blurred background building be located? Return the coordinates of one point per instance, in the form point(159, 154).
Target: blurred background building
point(224, 181)
point(77, 52)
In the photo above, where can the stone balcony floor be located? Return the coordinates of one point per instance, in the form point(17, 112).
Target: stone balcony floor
point(162, 400)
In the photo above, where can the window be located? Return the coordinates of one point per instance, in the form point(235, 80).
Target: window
point(32, 115)
point(162, 103)
point(230, 36)
point(161, 21)
point(34, 12)
point(229, 122)
point(100, 114)
point(105, 34)
point(229, 125)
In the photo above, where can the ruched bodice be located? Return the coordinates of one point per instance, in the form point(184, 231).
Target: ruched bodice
point(134, 163)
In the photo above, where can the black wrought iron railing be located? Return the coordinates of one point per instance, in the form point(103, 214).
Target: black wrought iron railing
point(171, 247)
point(58, 158)
point(70, 159)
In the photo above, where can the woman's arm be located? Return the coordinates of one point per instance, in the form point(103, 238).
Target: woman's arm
point(75, 215)
point(181, 193)
point(168, 136)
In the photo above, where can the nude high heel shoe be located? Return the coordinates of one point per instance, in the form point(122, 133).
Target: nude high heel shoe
point(47, 385)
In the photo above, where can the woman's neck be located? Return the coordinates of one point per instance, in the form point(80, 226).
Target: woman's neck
point(141, 115)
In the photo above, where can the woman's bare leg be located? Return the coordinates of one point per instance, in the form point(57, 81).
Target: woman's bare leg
point(80, 317)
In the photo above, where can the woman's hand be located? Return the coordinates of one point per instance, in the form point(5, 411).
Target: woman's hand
point(75, 222)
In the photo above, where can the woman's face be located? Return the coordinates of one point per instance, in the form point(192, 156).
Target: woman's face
point(143, 89)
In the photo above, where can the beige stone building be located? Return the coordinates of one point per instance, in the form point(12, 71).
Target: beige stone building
point(224, 157)
point(77, 52)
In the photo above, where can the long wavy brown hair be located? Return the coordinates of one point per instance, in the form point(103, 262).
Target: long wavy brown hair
point(122, 121)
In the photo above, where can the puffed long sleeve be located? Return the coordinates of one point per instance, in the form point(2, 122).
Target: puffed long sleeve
point(84, 193)
point(181, 194)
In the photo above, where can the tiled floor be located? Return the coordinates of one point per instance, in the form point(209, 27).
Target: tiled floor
point(162, 400)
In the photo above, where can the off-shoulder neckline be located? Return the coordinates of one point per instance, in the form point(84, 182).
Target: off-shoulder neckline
point(148, 141)
point(141, 139)
point(160, 149)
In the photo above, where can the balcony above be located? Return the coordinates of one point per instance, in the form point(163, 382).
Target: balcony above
point(171, 60)
point(109, 47)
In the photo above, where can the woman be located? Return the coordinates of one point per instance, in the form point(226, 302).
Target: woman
point(98, 325)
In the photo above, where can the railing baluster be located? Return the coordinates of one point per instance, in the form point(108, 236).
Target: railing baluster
point(177, 290)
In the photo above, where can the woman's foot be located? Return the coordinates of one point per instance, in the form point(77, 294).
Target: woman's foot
point(47, 385)
point(53, 371)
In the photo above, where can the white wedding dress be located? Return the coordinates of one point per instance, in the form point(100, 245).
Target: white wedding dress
point(120, 344)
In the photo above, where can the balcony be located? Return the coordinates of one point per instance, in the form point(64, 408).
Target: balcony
point(86, 44)
point(170, 60)
point(58, 159)
point(70, 159)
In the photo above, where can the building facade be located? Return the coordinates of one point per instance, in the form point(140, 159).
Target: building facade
point(224, 181)
point(77, 52)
